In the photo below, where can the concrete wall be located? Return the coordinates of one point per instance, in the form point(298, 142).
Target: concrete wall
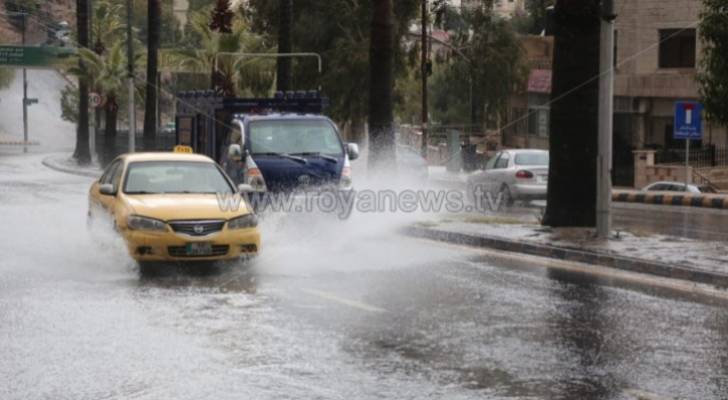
point(646, 172)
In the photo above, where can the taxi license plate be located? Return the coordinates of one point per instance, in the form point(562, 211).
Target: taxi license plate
point(199, 249)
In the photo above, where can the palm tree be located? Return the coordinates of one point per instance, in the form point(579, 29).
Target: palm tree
point(107, 73)
point(82, 153)
point(285, 24)
point(241, 75)
point(154, 14)
point(107, 24)
point(381, 104)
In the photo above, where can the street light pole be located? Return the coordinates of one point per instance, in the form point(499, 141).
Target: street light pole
point(130, 59)
point(25, 93)
point(424, 79)
point(94, 120)
point(606, 115)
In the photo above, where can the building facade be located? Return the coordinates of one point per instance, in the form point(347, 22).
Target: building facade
point(657, 53)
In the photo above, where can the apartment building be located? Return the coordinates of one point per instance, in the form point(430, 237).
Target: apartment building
point(658, 51)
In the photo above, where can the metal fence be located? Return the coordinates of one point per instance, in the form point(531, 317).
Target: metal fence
point(709, 156)
point(108, 149)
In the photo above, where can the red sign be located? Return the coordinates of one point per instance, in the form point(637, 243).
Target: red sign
point(540, 81)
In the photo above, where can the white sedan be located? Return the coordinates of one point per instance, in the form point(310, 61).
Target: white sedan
point(515, 175)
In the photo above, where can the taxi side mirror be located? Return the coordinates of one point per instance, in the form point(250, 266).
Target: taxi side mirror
point(352, 149)
point(235, 152)
point(107, 189)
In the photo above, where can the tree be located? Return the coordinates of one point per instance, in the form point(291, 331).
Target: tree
point(486, 59)
point(82, 153)
point(381, 81)
point(285, 23)
point(152, 91)
point(574, 115)
point(107, 24)
point(536, 10)
point(222, 17)
point(107, 75)
point(339, 31)
point(243, 76)
point(7, 75)
point(713, 73)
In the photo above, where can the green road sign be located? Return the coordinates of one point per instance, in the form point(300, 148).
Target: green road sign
point(34, 56)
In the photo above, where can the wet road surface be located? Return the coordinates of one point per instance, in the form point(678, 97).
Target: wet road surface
point(330, 310)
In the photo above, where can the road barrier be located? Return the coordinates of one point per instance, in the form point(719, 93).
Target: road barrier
point(716, 201)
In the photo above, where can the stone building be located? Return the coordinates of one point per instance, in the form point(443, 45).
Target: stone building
point(657, 53)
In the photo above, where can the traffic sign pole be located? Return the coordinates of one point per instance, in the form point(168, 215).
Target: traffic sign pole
point(688, 126)
point(687, 163)
point(25, 96)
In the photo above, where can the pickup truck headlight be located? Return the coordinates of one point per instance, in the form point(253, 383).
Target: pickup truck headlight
point(246, 221)
point(138, 223)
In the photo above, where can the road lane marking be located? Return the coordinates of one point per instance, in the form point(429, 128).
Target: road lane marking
point(347, 302)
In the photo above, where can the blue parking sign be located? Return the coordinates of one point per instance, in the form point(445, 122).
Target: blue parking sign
point(688, 120)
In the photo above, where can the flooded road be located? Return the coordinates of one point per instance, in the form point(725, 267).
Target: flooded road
point(330, 310)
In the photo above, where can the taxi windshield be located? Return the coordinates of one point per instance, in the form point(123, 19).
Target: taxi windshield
point(169, 177)
point(294, 137)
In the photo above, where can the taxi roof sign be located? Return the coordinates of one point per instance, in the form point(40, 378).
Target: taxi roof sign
point(183, 149)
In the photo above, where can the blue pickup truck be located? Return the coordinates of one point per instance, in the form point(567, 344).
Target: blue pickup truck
point(280, 144)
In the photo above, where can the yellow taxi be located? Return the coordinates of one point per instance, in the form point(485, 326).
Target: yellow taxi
point(175, 207)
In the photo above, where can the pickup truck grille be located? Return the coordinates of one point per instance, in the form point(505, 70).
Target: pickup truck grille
point(197, 228)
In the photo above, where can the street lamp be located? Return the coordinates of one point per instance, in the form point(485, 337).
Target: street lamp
point(26, 100)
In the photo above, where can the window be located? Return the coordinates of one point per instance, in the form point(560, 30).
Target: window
point(152, 177)
point(294, 137)
point(108, 175)
point(677, 48)
point(491, 163)
point(539, 158)
point(502, 162)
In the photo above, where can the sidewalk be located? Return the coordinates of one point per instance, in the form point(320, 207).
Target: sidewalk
point(64, 162)
point(692, 260)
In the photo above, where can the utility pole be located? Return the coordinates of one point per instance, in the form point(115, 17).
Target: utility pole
point(94, 120)
point(424, 72)
point(25, 93)
point(606, 115)
point(130, 59)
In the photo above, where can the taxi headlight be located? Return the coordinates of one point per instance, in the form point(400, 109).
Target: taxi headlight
point(138, 223)
point(246, 221)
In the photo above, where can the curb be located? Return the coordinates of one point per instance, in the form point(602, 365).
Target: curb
point(668, 199)
point(19, 143)
point(48, 162)
point(570, 254)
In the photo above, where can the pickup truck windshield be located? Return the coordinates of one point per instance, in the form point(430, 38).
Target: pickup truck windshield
point(294, 137)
